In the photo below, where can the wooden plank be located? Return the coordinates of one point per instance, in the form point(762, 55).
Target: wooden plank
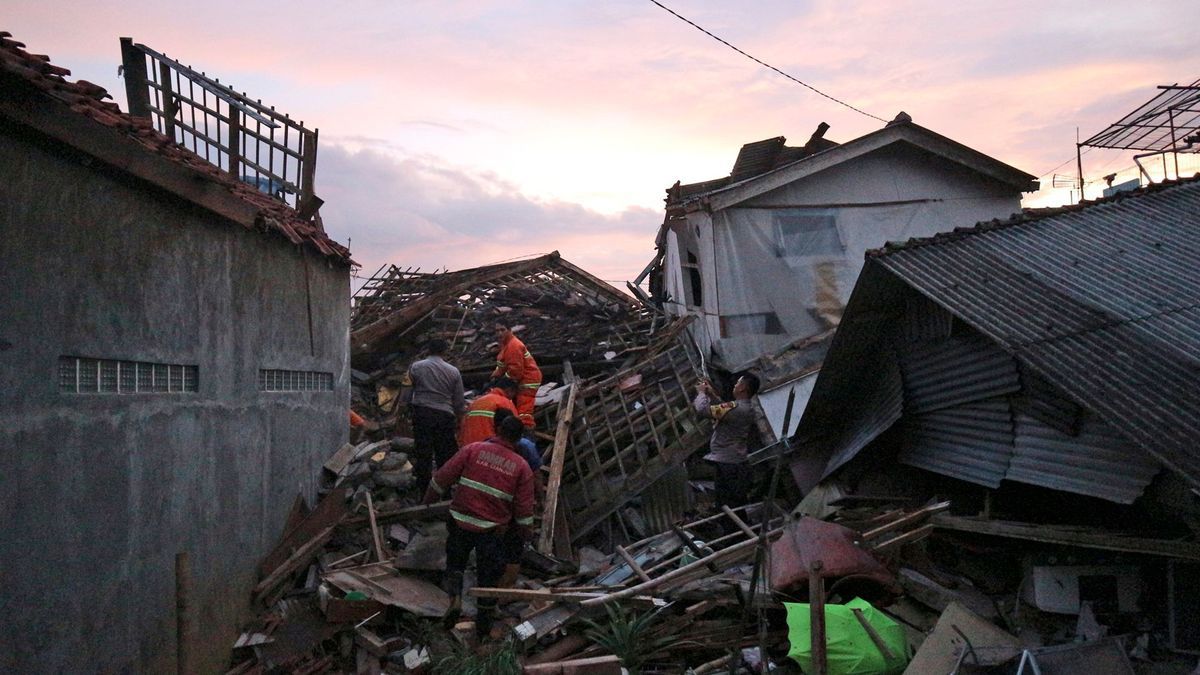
point(374, 528)
point(299, 559)
point(551, 595)
point(594, 665)
point(434, 511)
point(331, 510)
point(566, 415)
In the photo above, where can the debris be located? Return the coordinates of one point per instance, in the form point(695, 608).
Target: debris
point(841, 552)
point(962, 636)
point(384, 584)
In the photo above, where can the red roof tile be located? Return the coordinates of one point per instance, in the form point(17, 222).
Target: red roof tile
point(87, 99)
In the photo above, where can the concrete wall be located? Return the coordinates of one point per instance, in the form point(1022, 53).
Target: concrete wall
point(99, 491)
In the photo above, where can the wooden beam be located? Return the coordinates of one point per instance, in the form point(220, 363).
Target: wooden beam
point(137, 93)
point(558, 455)
point(741, 524)
point(637, 569)
point(409, 513)
point(374, 528)
point(906, 538)
point(724, 554)
point(816, 607)
point(905, 520)
point(873, 634)
point(1070, 536)
point(550, 595)
point(235, 143)
point(265, 588)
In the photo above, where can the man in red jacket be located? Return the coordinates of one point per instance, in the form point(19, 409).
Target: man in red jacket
point(493, 491)
point(515, 361)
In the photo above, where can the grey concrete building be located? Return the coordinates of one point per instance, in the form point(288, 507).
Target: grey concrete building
point(173, 371)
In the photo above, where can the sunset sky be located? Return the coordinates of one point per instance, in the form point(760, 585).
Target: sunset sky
point(456, 134)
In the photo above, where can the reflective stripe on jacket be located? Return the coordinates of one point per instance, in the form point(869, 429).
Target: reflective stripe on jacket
point(515, 361)
point(479, 423)
point(493, 485)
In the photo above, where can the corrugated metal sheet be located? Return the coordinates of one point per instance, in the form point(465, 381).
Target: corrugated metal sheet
point(954, 371)
point(1100, 300)
point(972, 441)
point(1097, 462)
point(667, 500)
point(923, 320)
point(1046, 403)
point(880, 410)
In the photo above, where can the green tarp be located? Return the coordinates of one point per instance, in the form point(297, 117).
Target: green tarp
point(849, 648)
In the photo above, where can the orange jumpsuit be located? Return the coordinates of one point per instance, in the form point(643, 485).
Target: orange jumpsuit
point(479, 423)
point(515, 361)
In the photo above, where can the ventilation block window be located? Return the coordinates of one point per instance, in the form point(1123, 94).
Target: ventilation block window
point(273, 379)
point(79, 375)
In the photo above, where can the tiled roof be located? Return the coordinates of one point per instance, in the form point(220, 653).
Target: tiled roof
point(755, 159)
point(86, 99)
point(1102, 299)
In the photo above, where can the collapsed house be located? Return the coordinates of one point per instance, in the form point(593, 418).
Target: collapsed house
point(765, 258)
point(174, 361)
point(1040, 372)
point(614, 413)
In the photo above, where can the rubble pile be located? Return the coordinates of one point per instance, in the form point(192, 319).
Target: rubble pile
point(353, 586)
point(633, 568)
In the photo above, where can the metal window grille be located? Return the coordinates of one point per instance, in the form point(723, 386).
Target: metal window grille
point(78, 375)
point(251, 141)
point(277, 380)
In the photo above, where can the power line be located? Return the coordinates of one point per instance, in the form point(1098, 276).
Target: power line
point(764, 64)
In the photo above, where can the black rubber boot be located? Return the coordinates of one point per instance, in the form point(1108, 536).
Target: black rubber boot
point(452, 583)
point(485, 619)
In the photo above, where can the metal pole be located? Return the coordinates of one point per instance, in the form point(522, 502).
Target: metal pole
point(1171, 117)
point(1079, 162)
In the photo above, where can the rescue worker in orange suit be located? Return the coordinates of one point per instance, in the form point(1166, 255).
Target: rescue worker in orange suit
point(479, 423)
point(493, 492)
point(515, 361)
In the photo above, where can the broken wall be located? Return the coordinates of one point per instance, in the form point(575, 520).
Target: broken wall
point(100, 490)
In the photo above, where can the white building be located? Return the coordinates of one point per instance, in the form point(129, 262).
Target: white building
point(767, 257)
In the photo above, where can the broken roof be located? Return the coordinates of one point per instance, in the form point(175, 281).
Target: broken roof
point(570, 313)
point(1098, 299)
point(77, 114)
point(753, 175)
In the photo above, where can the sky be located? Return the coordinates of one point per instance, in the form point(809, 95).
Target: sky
point(461, 133)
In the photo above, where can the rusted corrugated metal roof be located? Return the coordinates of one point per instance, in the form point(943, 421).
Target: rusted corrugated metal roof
point(87, 100)
point(1099, 299)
